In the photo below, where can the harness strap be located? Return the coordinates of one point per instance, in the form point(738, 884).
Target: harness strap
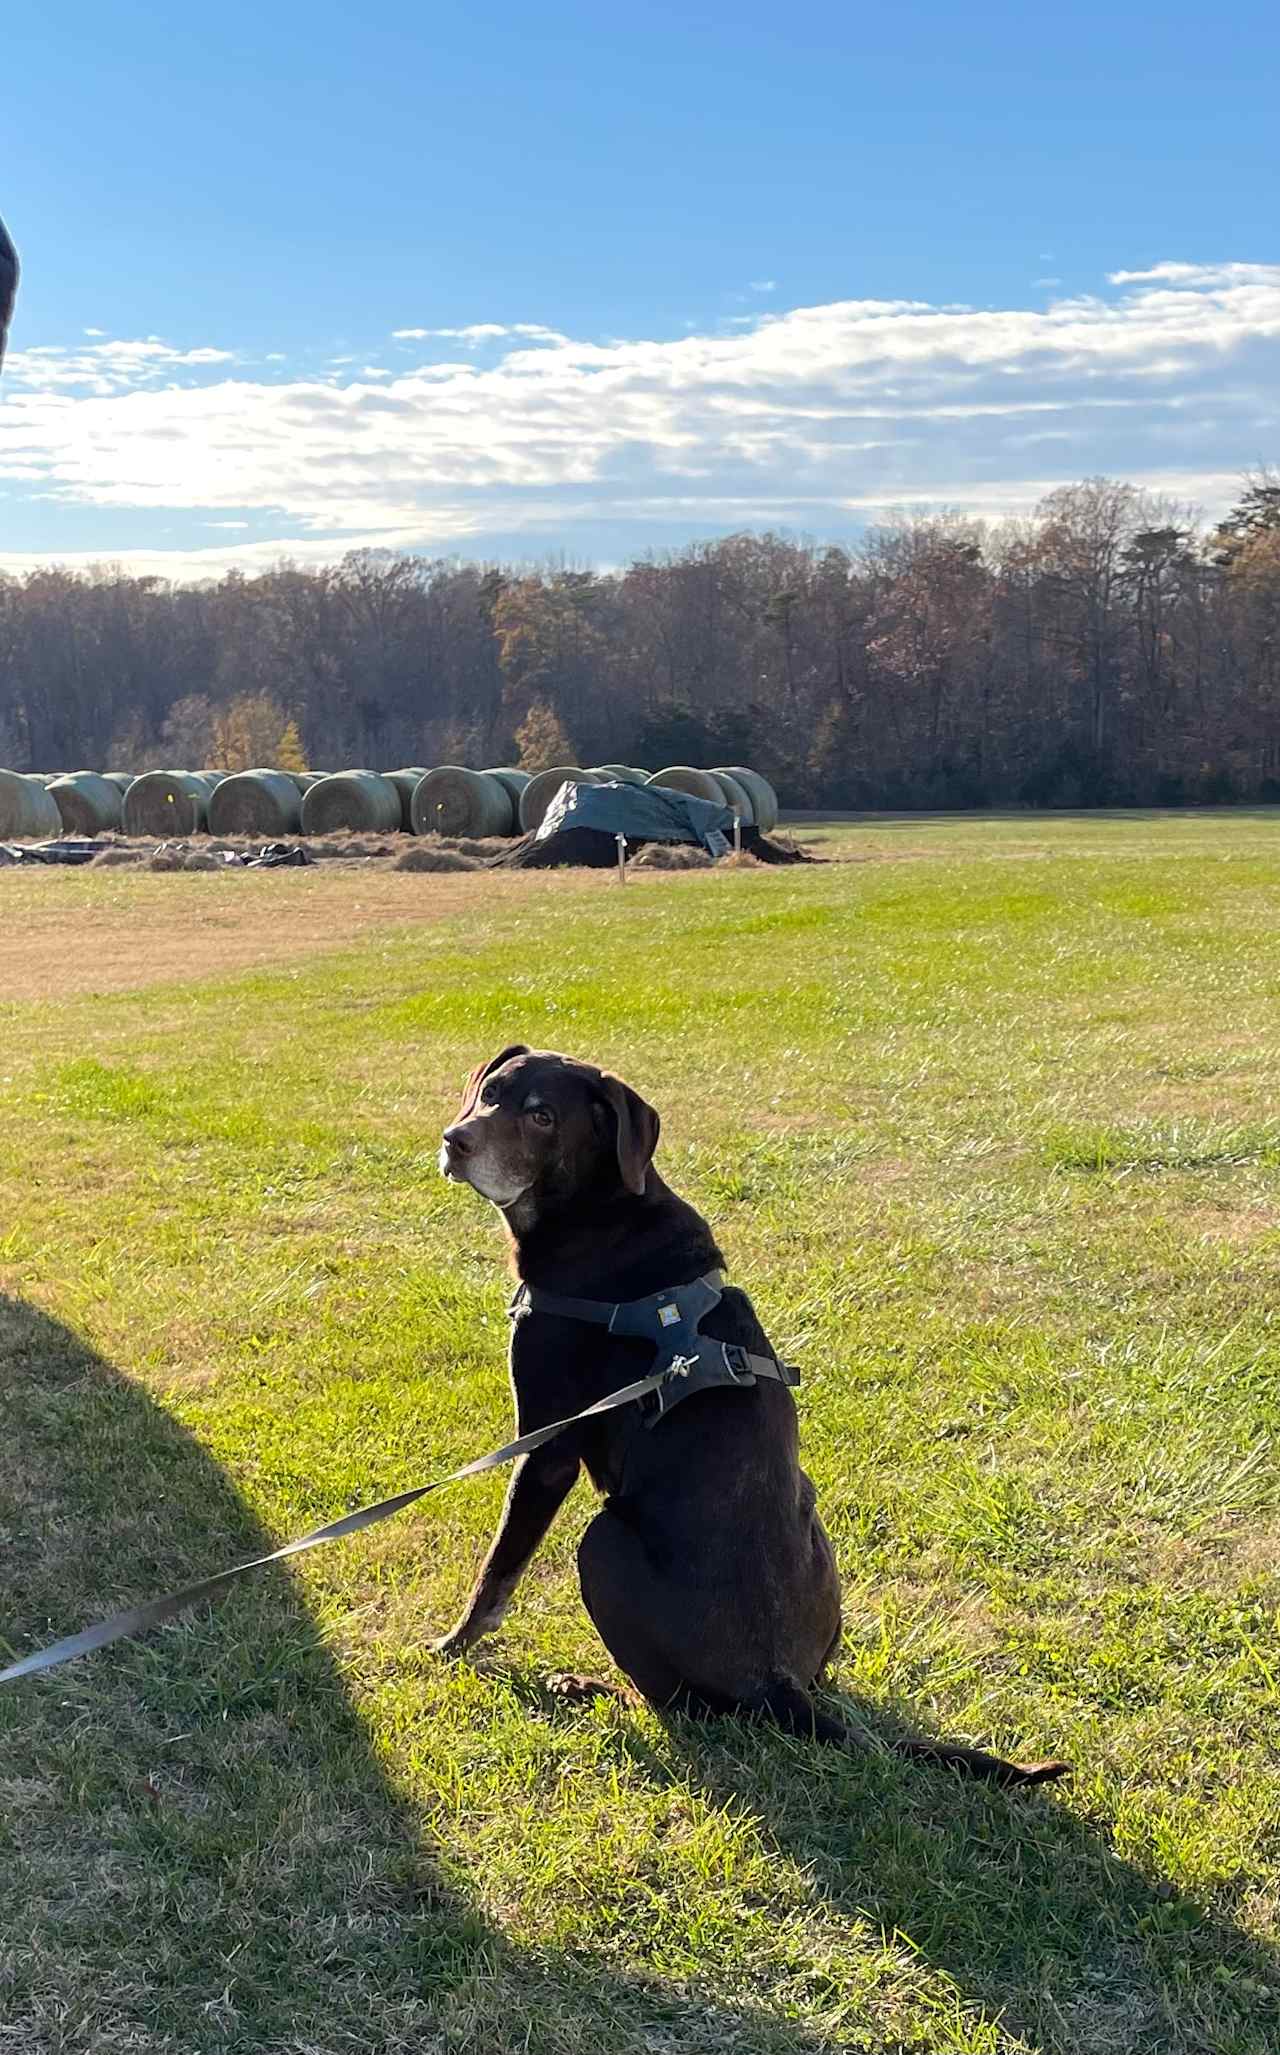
point(670, 1320)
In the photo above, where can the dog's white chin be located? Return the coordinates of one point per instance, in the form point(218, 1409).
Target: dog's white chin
point(495, 1194)
point(499, 1198)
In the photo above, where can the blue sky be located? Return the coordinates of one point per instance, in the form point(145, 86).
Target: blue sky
point(521, 282)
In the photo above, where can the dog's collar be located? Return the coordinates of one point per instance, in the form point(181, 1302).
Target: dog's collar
point(670, 1320)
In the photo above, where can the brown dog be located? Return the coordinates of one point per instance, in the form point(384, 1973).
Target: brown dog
point(707, 1571)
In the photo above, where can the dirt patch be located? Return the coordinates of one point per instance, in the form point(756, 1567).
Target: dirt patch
point(119, 930)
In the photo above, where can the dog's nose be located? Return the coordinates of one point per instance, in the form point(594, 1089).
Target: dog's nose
point(457, 1139)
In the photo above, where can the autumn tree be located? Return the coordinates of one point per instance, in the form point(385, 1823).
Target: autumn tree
point(542, 742)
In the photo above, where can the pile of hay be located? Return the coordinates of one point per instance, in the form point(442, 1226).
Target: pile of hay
point(117, 857)
point(428, 856)
point(670, 856)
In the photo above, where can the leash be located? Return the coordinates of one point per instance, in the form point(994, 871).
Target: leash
point(140, 1619)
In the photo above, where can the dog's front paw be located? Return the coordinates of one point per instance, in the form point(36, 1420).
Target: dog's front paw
point(464, 1636)
point(451, 1646)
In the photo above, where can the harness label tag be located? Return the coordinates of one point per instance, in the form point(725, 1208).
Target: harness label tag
point(669, 1316)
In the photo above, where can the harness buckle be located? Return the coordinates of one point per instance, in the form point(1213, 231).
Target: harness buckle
point(737, 1362)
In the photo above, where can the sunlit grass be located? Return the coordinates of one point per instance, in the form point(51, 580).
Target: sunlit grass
point(989, 1126)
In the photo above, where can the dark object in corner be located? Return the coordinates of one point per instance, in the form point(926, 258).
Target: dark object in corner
point(8, 284)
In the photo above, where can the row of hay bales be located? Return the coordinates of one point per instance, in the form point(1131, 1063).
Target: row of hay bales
point(448, 801)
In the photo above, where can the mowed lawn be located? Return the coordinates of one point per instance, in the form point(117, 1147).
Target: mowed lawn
point(989, 1124)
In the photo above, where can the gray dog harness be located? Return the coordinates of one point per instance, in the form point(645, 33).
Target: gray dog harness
point(671, 1321)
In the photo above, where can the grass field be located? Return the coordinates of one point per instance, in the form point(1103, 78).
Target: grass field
point(989, 1124)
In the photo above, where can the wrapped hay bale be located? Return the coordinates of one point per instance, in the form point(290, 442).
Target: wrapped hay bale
point(121, 779)
point(166, 803)
point(737, 796)
point(541, 790)
point(759, 791)
point(513, 782)
point(406, 783)
point(454, 801)
point(87, 804)
point(682, 777)
point(620, 774)
point(424, 856)
point(266, 803)
point(27, 813)
point(359, 800)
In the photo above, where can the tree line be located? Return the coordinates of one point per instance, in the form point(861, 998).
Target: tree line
point(1106, 652)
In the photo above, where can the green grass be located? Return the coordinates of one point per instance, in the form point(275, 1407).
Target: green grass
point(990, 1126)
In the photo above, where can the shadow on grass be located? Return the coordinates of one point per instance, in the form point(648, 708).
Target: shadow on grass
point(1019, 1902)
point(199, 1848)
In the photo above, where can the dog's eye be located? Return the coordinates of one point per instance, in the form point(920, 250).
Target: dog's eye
point(542, 1115)
point(489, 1096)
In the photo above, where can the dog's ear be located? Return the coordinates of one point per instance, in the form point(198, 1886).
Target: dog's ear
point(471, 1090)
point(636, 1131)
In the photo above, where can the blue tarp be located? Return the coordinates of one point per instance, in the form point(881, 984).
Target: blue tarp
point(643, 813)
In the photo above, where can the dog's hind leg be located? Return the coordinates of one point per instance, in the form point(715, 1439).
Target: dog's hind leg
point(627, 1605)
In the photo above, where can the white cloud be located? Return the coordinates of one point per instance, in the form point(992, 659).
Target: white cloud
point(108, 367)
point(814, 417)
point(764, 285)
point(1190, 274)
point(480, 332)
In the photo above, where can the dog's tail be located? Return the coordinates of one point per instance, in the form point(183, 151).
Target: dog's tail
point(784, 1701)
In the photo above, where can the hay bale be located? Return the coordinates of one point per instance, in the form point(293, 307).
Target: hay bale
point(759, 791)
point(203, 860)
point(359, 800)
point(117, 859)
point(670, 856)
point(540, 791)
point(737, 796)
point(423, 856)
point(27, 813)
point(86, 803)
point(266, 803)
point(620, 774)
point(681, 777)
point(406, 783)
point(514, 782)
point(454, 801)
point(121, 779)
point(166, 803)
